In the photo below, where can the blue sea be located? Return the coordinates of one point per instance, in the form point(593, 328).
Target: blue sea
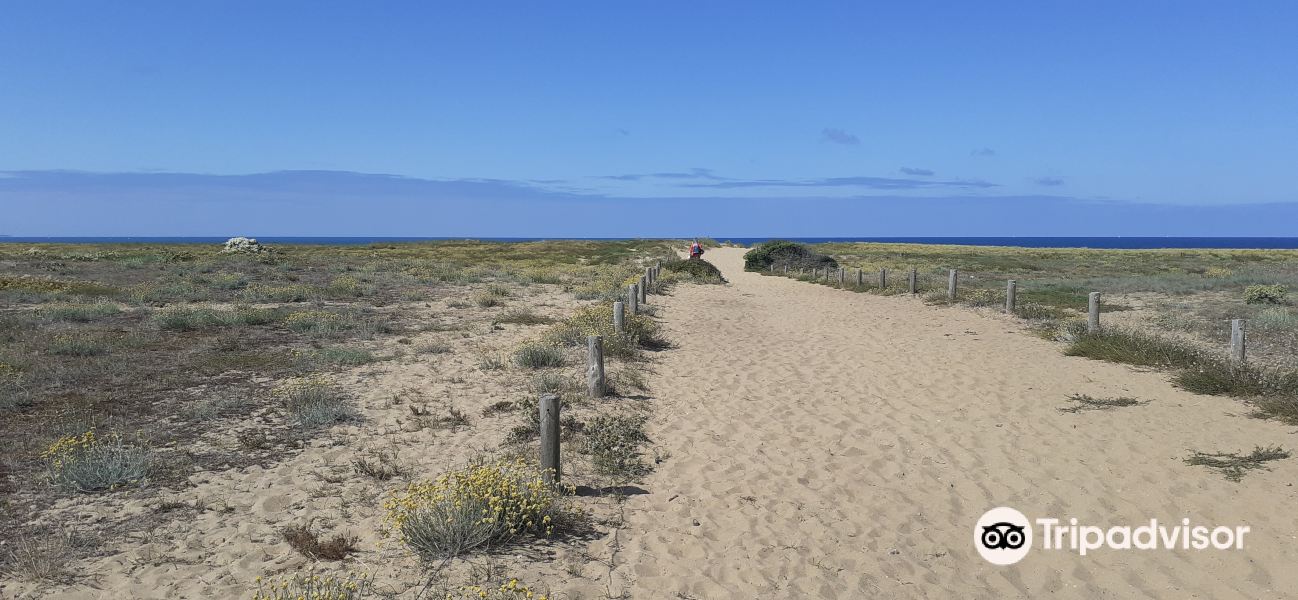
point(1022, 242)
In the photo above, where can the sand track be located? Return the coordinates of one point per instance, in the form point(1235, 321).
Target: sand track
point(830, 444)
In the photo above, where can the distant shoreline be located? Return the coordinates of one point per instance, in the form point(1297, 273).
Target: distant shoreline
point(1127, 243)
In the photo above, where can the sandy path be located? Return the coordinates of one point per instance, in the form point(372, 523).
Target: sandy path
point(831, 444)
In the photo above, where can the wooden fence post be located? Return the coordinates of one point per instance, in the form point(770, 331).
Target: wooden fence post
point(595, 366)
point(649, 276)
point(632, 298)
point(1093, 313)
point(951, 285)
point(883, 279)
point(842, 275)
point(860, 277)
point(914, 281)
point(1237, 341)
point(619, 318)
point(1011, 288)
point(644, 291)
point(550, 468)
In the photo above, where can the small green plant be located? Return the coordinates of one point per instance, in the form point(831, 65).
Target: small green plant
point(1083, 402)
point(1275, 319)
point(317, 323)
point(1283, 409)
point(1133, 348)
point(613, 443)
point(508, 590)
point(39, 558)
point(351, 586)
point(315, 401)
point(481, 505)
point(488, 300)
point(381, 465)
point(640, 331)
point(538, 356)
point(1234, 466)
point(983, 298)
point(1265, 294)
point(92, 463)
point(491, 362)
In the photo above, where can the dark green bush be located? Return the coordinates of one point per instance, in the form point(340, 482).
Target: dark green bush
point(781, 253)
point(697, 269)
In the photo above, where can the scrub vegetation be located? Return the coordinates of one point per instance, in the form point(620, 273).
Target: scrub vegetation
point(127, 369)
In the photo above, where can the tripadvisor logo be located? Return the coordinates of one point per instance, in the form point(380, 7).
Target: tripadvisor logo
point(1003, 536)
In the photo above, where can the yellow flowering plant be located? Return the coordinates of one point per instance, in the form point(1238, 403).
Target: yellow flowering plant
point(349, 586)
point(509, 590)
point(482, 504)
point(88, 462)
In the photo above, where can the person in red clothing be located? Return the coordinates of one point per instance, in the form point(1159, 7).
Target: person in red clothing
point(696, 250)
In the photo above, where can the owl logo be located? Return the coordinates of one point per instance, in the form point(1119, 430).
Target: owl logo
point(1003, 536)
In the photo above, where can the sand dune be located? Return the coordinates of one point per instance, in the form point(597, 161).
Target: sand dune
point(830, 444)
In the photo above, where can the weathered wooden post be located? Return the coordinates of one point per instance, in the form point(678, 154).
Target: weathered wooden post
point(914, 281)
point(1093, 313)
point(594, 366)
point(550, 469)
point(842, 275)
point(649, 275)
point(860, 277)
point(644, 291)
point(883, 279)
point(786, 269)
point(619, 318)
point(772, 268)
point(1237, 341)
point(1011, 288)
point(633, 298)
point(951, 284)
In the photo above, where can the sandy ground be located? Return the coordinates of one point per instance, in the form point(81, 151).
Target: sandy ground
point(831, 444)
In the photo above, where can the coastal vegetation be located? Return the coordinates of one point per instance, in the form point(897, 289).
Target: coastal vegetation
point(132, 373)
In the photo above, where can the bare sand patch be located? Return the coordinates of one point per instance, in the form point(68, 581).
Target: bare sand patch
point(831, 444)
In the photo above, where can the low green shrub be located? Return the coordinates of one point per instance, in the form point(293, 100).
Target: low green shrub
point(640, 331)
point(538, 356)
point(781, 253)
point(697, 270)
point(485, 504)
point(1133, 348)
point(1265, 294)
point(90, 463)
point(315, 401)
point(613, 443)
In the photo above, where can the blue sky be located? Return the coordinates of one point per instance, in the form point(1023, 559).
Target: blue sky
point(1053, 118)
